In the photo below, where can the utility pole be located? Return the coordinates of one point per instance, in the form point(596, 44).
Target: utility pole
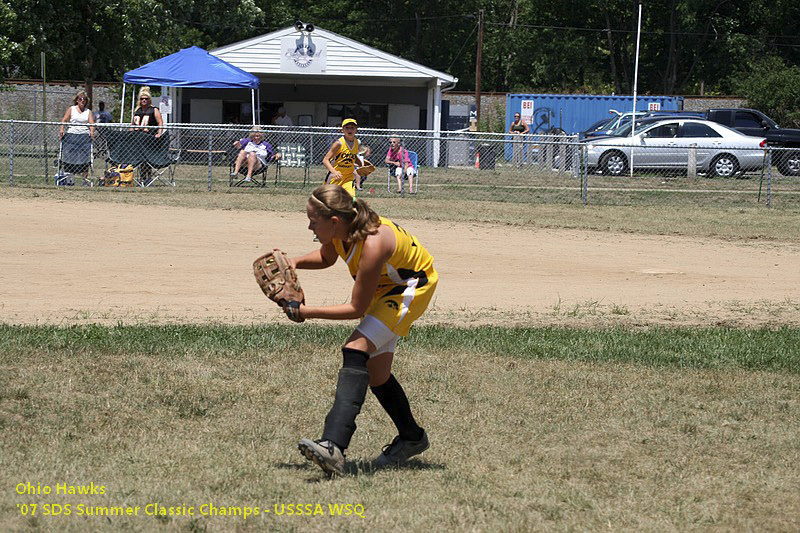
point(478, 59)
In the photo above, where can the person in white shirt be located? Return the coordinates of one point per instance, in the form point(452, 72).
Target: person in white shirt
point(255, 152)
point(282, 119)
point(76, 141)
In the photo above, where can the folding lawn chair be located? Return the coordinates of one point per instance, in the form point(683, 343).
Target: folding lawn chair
point(159, 161)
point(259, 178)
point(124, 147)
point(293, 156)
point(74, 158)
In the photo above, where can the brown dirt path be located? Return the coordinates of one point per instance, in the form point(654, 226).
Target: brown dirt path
point(74, 262)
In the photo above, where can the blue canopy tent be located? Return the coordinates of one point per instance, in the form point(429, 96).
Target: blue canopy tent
point(192, 67)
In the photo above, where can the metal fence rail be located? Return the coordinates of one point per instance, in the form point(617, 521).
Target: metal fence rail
point(494, 167)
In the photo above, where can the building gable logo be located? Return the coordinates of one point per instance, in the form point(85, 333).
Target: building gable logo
point(302, 54)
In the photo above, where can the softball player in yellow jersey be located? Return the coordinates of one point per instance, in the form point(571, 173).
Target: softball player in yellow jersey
point(394, 282)
point(341, 157)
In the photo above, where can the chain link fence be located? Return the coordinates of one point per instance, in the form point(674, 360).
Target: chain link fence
point(472, 166)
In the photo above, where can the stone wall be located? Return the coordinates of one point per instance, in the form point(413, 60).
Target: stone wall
point(701, 103)
point(24, 101)
point(493, 108)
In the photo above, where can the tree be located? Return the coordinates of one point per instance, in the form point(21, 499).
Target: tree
point(100, 40)
point(772, 86)
point(529, 45)
point(7, 20)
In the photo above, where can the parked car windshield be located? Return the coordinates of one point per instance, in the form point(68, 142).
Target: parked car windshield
point(600, 125)
point(625, 131)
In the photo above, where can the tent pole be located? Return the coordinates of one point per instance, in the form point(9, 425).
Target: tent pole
point(253, 105)
point(258, 103)
point(122, 106)
point(133, 100)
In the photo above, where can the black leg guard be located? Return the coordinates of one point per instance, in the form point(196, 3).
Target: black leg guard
point(394, 401)
point(351, 389)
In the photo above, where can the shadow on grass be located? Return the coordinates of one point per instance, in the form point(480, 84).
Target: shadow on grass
point(368, 468)
point(361, 468)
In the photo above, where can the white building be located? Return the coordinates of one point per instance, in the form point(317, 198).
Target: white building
point(319, 78)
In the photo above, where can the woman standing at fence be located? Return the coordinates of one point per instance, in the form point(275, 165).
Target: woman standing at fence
point(76, 143)
point(519, 128)
point(146, 116)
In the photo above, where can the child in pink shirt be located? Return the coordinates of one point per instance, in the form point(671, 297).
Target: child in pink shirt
point(397, 156)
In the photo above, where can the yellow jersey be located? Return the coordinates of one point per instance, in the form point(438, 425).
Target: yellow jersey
point(344, 161)
point(406, 282)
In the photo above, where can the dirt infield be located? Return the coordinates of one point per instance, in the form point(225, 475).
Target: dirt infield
point(69, 262)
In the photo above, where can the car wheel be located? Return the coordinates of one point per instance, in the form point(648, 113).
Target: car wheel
point(789, 163)
point(613, 163)
point(723, 166)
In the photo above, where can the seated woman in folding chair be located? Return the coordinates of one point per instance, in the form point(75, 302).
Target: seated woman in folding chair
point(397, 157)
point(256, 152)
point(76, 142)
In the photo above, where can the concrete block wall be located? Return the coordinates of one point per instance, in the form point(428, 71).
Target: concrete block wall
point(701, 103)
point(24, 101)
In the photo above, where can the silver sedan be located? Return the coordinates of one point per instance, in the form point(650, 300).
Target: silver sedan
point(720, 151)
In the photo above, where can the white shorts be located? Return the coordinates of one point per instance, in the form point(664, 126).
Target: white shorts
point(410, 172)
point(261, 159)
point(384, 339)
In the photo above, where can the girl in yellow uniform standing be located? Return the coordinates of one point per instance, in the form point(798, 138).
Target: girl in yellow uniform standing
point(341, 158)
point(394, 282)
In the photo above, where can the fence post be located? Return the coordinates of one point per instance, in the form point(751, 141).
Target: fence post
point(46, 157)
point(11, 151)
point(575, 157)
point(691, 170)
point(562, 153)
point(584, 169)
point(310, 148)
point(210, 156)
point(549, 152)
point(769, 178)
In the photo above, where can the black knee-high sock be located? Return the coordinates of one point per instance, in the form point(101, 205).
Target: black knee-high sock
point(351, 389)
point(394, 401)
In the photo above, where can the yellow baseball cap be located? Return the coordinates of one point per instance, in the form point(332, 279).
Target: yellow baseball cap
point(347, 121)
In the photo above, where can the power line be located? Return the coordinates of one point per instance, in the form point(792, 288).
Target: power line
point(606, 30)
point(350, 20)
point(466, 41)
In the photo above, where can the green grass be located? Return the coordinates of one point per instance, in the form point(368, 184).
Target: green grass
point(531, 429)
point(766, 349)
point(749, 221)
point(526, 185)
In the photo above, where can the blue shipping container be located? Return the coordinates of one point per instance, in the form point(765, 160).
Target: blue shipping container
point(574, 113)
